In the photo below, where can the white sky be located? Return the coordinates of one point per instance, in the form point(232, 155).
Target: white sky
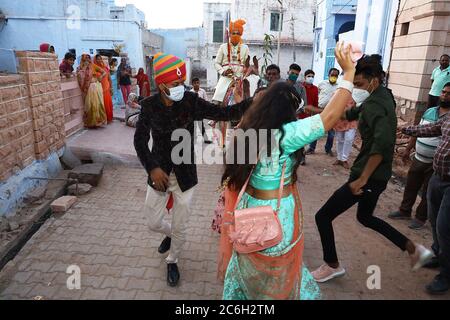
point(171, 13)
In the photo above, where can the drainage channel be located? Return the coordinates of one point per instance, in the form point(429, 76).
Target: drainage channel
point(14, 247)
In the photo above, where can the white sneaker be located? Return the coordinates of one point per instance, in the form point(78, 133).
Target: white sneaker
point(325, 273)
point(420, 257)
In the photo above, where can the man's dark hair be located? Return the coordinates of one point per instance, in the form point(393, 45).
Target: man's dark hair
point(334, 69)
point(445, 55)
point(295, 66)
point(369, 66)
point(273, 67)
point(309, 71)
point(69, 55)
point(195, 79)
point(446, 85)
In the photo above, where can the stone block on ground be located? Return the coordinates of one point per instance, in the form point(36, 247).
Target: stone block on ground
point(83, 188)
point(63, 204)
point(88, 173)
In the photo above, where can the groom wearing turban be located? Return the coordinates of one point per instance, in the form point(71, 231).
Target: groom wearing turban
point(170, 112)
point(230, 59)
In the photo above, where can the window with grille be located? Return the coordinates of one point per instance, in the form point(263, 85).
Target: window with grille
point(275, 21)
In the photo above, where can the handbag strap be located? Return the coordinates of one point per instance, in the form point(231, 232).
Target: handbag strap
point(280, 189)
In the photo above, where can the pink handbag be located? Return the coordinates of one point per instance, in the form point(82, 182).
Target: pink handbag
point(258, 228)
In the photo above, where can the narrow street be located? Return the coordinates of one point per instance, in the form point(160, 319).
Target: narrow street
point(105, 234)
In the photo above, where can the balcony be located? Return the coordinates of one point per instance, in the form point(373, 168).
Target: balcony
point(344, 6)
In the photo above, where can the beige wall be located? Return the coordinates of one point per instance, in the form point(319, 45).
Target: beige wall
point(416, 54)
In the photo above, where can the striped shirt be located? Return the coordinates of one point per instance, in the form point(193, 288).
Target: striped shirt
point(426, 147)
point(441, 162)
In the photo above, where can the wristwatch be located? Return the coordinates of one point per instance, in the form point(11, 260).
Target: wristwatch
point(347, 85)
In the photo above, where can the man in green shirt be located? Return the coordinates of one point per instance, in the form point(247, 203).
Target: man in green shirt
point(369, 176)
point(439, 77)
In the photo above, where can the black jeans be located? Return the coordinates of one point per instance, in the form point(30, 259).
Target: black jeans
point(342, 200)
point(418, 176)
point(439, 215)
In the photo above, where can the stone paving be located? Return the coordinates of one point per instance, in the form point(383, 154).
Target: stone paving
point(105, 234)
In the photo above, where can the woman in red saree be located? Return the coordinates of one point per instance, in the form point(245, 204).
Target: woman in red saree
point(107, 88)
point(143, 83)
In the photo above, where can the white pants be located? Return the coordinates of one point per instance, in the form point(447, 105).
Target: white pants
point(344, 143)
point(155, 210)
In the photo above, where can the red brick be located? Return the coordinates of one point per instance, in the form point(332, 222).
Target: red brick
point(24, 91)
point(13, 106)
point(63, 204)
point(27, 142)
point(10, 93)
point(10, 80)
point(40, 65)
point(3, 109)
point(28, 161)
point(26, 65)
point(7, 135)
point(25, 103)
point(38, 136)
point(18, 118)
point(46, 132)
point(3, 123)
point(38, 89)
point(6, 151)
point(36, 101)
point(38, 123)
point(53, 65)
point(40, 147)
point(48, 119)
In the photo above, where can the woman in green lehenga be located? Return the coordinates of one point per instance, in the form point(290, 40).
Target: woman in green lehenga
point(277, 272)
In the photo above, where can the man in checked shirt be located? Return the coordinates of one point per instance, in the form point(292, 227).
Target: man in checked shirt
point(438, 194)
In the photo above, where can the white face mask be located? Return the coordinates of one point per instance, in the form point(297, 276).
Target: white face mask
point(309, 80)
point(177, 93)
point(360, 95)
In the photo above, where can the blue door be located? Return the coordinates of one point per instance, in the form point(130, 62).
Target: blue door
point(329, 61)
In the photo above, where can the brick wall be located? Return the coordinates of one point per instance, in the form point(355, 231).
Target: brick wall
point(73, 105)
point(41, 74)
point(16, 126)
point(421, 37)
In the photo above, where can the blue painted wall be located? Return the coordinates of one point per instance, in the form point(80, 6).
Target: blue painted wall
point(13, 191)
point(32, 22)
point(177, 41)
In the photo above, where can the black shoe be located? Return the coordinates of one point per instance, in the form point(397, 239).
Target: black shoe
point(432, 264)
point(165, 245)
point(397, 215)
point(173, 275)
point(439, 285)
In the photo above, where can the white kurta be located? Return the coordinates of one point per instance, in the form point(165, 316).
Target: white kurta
point(222, 64)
